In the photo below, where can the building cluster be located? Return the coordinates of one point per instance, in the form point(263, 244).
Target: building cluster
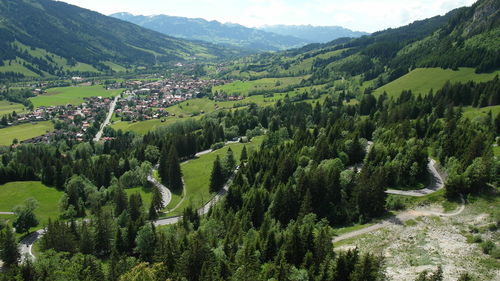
point(150, 100)
point(73, 121)
point(142, 100)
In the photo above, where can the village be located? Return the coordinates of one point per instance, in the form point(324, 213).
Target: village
point(150, 100)
point(141, 100)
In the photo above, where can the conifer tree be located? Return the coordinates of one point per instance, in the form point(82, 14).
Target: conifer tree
point(162, 167)
point(157, 199)
point(9, 252)
point(244, 155)
point(174, 173)
point(217, 176)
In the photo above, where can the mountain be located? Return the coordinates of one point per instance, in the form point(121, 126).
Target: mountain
point(464, 37)
point(313, 34)
point(44, 38)
point(215, 32)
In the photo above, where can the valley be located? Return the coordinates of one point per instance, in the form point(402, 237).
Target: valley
point(127, 154)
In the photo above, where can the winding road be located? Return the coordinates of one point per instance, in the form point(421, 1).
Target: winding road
point(108, 118)
point(165, 192)
point(436, 183)
point(203, 210)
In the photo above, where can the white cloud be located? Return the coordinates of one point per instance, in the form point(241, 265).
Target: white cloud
point(364, 15)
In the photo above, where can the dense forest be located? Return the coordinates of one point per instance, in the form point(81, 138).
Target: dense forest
point(276, 221)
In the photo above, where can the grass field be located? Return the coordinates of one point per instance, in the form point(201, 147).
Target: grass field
point(145, 193)
point(472, 113)
point(71, 95)
point(15, 193)
point(24, 132)
point(142, 127)
point(7, 107)
point(422, 80)
point(196, 174)
point(244, 87)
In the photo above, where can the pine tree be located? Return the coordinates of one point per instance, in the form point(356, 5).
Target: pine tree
point(162, 168)
point(157, 200)
point(217, 176)
point(9, 252)
point(174, 173)
point(120, 199)
point(152, 213)
point(244, 156)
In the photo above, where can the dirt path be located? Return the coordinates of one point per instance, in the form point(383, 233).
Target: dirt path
point(400, 219)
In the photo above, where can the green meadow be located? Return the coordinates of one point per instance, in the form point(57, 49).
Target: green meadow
point(71, 95)
point(15, 193)
point(24, 132)
point(422, 80)
point(146, 195)
point(142, 127)
point(473, 113)
point(6, 107)
point(244, 87)
point(196, 174)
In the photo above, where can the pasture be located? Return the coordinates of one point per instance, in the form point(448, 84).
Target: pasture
point(6, 107)
point(24, 132)
point(15, 193)
point(196, 174)
point(243, 88)
point(72, 95)
point(422, 80)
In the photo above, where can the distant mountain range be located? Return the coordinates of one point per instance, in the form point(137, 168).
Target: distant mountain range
point(270, 38)
point(52, 38)
point(313, 34)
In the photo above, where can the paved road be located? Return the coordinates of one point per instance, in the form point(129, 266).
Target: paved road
point(108, 118)
point(26, 244)
point(399, 219)
point(165, 192)
point(434, 185)
point(6, 213)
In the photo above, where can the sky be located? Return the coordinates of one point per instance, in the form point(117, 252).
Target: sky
point(359, 15)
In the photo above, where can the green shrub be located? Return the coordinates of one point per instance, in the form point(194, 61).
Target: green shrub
point(488, 247)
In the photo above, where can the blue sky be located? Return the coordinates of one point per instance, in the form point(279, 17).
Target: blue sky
point(361, 15)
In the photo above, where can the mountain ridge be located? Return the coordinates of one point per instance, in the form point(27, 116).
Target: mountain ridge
point(213, 32)
point(44, 38)
point(235, 34)
point(314, 34)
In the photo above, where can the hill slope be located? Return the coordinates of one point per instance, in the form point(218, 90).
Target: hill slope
point(465, 37)
point(313, 34)
point(44, 37)
point(214, 32)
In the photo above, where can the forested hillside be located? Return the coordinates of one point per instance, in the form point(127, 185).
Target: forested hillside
point(45, 37)
point(465, 37)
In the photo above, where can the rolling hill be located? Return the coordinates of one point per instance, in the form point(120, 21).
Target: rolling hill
point(215, 32)
point(51, 38)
